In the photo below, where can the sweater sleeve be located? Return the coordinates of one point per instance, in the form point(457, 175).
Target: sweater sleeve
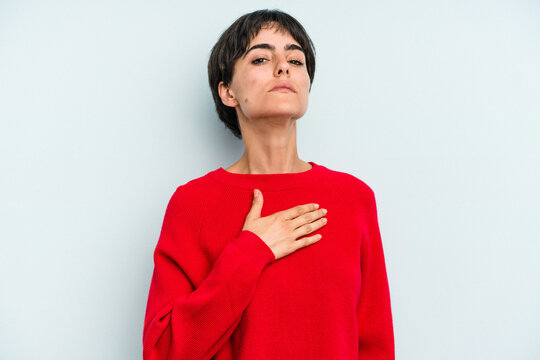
point(187, 322)
point(375, 327)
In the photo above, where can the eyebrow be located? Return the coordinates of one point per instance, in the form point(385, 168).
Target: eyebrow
point(272, 47)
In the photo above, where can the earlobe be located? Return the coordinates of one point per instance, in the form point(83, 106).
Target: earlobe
point(226, 95)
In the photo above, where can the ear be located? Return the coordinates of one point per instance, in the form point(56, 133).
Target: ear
point(227, 95)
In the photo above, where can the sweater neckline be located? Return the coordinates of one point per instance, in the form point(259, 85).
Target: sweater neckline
point(276, 181)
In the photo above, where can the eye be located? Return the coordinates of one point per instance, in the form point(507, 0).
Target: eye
point(296, 62)
point(258, 61)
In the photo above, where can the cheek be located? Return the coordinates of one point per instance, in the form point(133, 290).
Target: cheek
point(306, 85)
point(308, 80)
point(252, 88)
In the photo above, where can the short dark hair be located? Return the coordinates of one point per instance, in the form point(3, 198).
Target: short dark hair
point(233, 43)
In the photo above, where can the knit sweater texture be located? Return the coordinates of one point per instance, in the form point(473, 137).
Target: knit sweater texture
point(218, 292)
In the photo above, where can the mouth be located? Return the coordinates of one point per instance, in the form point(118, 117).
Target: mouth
point(282, 89)
point(283, 86)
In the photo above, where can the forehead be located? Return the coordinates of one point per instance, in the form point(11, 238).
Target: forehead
point(272, 34)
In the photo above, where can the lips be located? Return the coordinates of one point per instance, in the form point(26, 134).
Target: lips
point(283, 86)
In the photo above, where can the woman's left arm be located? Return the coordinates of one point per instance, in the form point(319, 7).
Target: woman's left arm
point(374, 314)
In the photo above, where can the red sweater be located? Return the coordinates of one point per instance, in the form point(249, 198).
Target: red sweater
point(218, 292)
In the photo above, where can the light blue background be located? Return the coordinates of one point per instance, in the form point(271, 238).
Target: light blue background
point(105, 110)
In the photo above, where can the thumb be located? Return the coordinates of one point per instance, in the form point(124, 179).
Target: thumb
point(256, 205)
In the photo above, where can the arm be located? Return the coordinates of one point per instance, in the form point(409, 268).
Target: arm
point(375, 328)
point(184, 322)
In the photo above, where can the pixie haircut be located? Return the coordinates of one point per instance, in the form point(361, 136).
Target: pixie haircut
point(233, 43)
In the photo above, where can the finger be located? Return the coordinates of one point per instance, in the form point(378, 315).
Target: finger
point(307, 218)
point(310, 227)
point(306, 241)
point(256, 205)
point(299, 210)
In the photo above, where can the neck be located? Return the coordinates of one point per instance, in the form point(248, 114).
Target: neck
point(269, 149)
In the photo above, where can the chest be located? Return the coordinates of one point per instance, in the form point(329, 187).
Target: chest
point(330, 266)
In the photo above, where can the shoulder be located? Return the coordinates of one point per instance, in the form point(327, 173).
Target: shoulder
point(189, 199)
point(353, 186)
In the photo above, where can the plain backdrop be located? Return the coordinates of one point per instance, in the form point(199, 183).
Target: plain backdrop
point(105, 109)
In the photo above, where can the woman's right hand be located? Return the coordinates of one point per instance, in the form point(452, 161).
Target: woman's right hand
point(281, 229)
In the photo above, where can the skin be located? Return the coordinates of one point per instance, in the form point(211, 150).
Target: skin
point(267, 120)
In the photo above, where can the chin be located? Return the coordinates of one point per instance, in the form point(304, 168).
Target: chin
point(285, 114)
point(286, 110)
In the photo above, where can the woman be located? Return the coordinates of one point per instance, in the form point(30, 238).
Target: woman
point(273, 257)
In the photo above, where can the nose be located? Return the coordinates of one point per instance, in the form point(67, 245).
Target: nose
point(281, 67)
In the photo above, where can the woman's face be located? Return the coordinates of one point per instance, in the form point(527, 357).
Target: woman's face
point(273, 59)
